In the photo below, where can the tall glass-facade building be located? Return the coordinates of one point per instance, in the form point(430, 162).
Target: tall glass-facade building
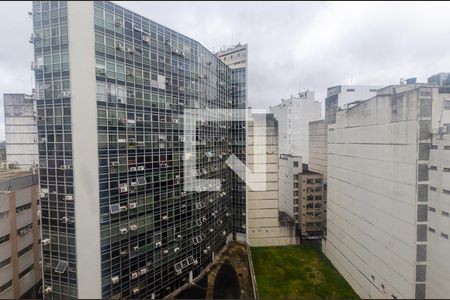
point(111, 88)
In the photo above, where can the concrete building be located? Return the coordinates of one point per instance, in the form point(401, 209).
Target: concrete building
point(441, 79)
point(236, 58)
point(318, 146)
point(310, 216)
point(289, 169)
point(340, 96)
point(111, 91)
point(438, 249)
point(378, 193)
point(20, 131)
point(293, 116)
point(264, 225)
point(20, 270)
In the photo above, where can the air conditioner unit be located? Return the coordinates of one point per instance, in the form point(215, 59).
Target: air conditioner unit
point(133, 227)
point(66, 167)
point(48, 290)
point(42, 140)
point(136, 248)
point(122, 100)
point(166, 251)
point(114, 163)
point(119, 23)
point(224, 232)
point(123, 187)
point(176, 249)
point(158, 244)
point(165, 217)
point(146, 38)
point(205, 251)
point(134, 275)
point(136, 291)
point(123, 208)
point(123, 231)
point(42, 195)
point(133, 183)
point(133, 169)
point(119, 46)
point(130, 50)
point(45, 242)
point(211, 230)
point(68, 197)
point(143, 271)
point(132, 205)
point(195, 262)
point(141, 168)
point(115, 279)
point(65, 93)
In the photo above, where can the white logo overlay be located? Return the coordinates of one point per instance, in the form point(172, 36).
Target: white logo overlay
point(255, 134)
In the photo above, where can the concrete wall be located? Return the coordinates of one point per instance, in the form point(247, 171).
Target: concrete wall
point(373, 176)
point(263, 227)
point(293, 116)
point(438, 250)
point(286, 183)
point(318, 145)
point(20, 130)
point(22, 270)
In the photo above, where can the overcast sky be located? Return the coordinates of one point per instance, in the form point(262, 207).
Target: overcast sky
point(293, 46)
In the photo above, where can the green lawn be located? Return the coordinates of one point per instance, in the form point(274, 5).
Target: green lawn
point(296, 272)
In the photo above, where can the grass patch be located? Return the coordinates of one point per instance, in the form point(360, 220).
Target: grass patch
point(296, 272)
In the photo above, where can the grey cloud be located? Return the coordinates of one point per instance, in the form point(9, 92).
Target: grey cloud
point(293, 46)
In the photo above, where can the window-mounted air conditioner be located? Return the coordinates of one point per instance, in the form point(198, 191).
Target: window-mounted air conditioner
point(134, 275)
point(133, 227)
point(123, 231)
point(132, 205)
point(45, 242)
point(68, 197)
point(115, 279)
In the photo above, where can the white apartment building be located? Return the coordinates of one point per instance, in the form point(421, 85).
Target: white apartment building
point(341, 96)
point(378, 193)
point(264, 227)
point(289, 168)
point(20, 131)
point(293, 116)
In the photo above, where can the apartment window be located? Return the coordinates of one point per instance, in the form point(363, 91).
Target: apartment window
point(446, 169)
point(21, 208)
point(295, 164)
point(295, 185)
point(5, 262)
point(25, 250)
point(447, 192)
point(318, 181)
point(295, 193)
point(434, 168)
point(432, 188)
point(26, 271)
point(445, 213)
point(430, 229)
point(432, 209)
point(3, 215)
point(4, 239)
point(447, 105)
point(350, 90)
point(434, 147)
point(295, 209)
point(446, 147)
point(295, 176)
point(295, 201)
point(5, 286)
point(372, 90)
point(445, 236)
